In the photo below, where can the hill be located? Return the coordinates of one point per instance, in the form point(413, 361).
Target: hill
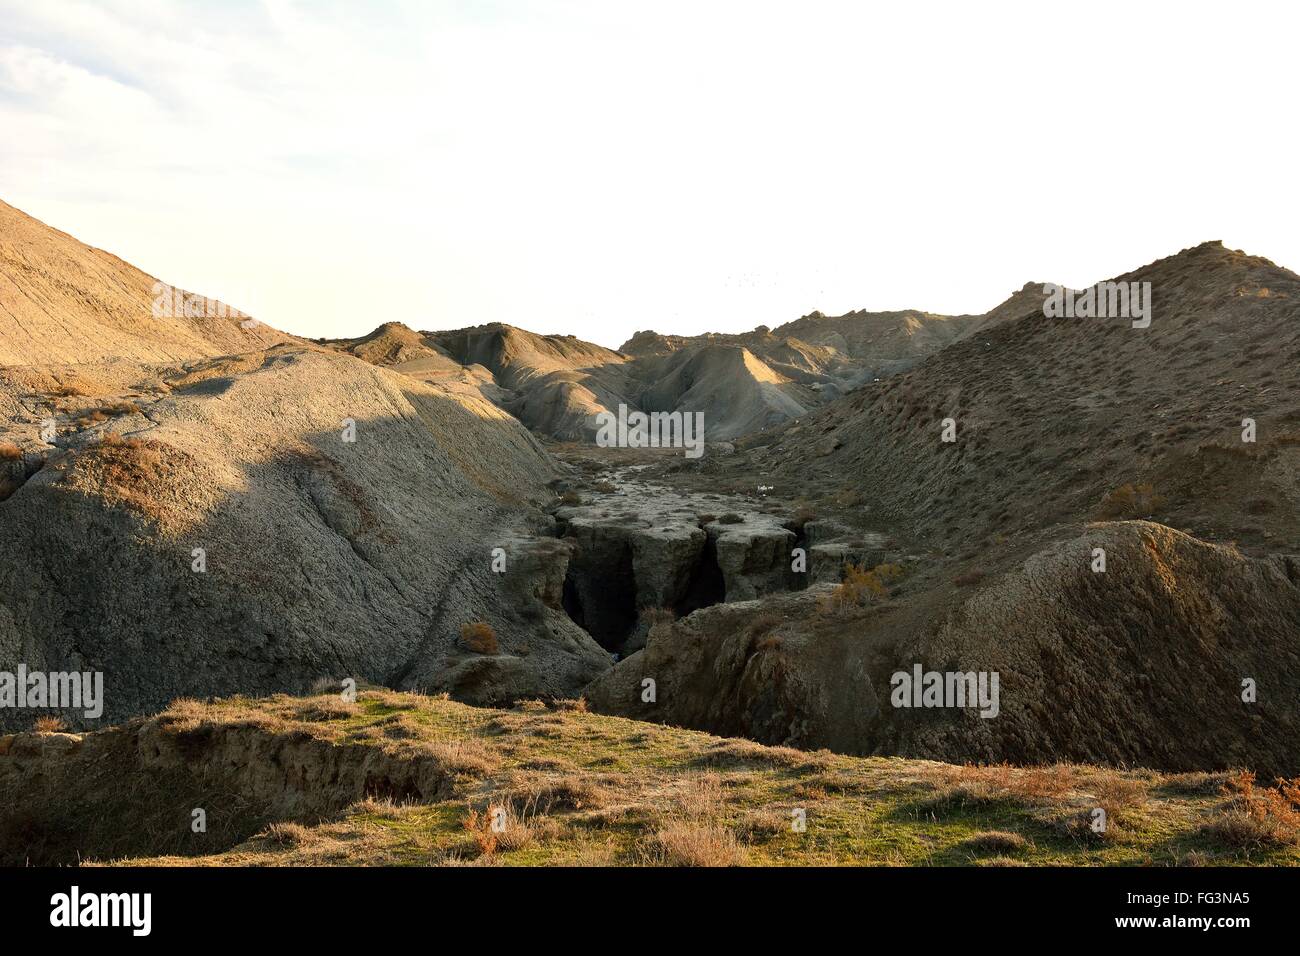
point(262, 520)
point(63, 302)
point(398, 779)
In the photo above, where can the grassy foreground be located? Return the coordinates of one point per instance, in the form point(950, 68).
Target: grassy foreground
point(567, 787)
point(555, 785)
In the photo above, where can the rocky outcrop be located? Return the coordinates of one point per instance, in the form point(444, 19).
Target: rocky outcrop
point(297, 516)
point(1181, 655)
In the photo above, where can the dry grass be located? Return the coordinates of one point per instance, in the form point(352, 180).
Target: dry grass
point(1131, 501)
point(49, 724)
point(1258, 817)
point(692, 844)
point(422, 781)
point(478, 637)
point(994, 841)
point(327, 708)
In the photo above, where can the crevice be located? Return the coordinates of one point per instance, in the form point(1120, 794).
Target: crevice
point(600, 595)
point(707, 586)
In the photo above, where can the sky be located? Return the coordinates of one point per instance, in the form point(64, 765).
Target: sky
point(599, 168)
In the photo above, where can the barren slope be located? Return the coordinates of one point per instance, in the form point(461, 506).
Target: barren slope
point(63, 302)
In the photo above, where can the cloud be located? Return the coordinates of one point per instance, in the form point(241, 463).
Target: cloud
point(596, 168)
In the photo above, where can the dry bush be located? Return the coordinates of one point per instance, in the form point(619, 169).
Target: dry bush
point(968, 579)
point(49, 724)
point(860, 587)
point(689, 844)
point(605, 487)
point(478, 636)
point(994, 841)
point(570, 498)
point(120, 408)
point(479, 826)
point(505, 828)
point(67, 391)
point(1131, 501)
point(731, 518)
point(9, 451)
point(574, 704)
point(1259, 816)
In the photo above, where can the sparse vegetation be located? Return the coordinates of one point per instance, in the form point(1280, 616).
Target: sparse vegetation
point(1131, 501)
point(478, 636)
point(861, 587)
point(569, 787)
point(1258, 817)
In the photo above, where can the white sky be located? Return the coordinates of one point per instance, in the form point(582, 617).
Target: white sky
point(599, 168)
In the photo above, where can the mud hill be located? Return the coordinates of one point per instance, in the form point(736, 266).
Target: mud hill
point(557, 384)
point(63, 302)
point(1071, 419)
point(554, 384)
point(266, 519)
point(1068, 432)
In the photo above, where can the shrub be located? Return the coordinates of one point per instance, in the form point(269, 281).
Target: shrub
point(691, 844)
point(1131, 501)
point(968, 579)
point(861, 587)
point(731, 518)
point(570, 498)
point(9, 451)
point(49, 724)
point(1259, 816)
point(478, 636)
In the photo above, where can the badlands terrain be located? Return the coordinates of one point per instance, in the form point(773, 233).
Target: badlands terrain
point(229, 522)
